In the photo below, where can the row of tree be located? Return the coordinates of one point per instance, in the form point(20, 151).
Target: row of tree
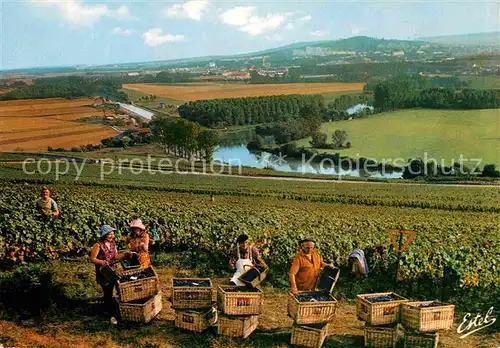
point(222, 113)
point(305, 124)
point(183, 138)
point(400, 93)
point(68, 87)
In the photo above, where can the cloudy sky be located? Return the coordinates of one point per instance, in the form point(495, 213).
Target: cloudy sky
point(53, 33)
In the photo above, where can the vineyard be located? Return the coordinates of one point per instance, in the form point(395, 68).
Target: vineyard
point(35, 124)
point(457, 231)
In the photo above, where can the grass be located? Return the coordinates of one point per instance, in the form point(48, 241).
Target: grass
point(152, 104)
point(483, 82)
point(442, 134)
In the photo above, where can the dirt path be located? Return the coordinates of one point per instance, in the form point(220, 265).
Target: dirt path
point(273, 331)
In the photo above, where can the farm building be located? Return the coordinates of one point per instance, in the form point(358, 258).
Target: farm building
point(99, 101)
point(237, 75)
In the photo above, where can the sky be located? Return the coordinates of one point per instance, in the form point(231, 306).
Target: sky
point(37, 33)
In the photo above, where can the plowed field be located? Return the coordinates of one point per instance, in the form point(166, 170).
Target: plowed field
point(35, 124)
point(203, 91)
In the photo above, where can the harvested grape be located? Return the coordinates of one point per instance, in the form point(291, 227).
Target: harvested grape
point(313, 297)
point(146, 273)
point(192, 283)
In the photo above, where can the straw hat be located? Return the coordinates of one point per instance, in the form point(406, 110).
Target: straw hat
point(137, 223)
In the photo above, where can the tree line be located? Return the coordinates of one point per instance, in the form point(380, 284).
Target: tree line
point(68, 87)
point(183, 138)
point(222, 113)
point(401, 93)
point(305, 124)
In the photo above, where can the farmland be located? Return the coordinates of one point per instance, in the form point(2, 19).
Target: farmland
point(35, 124)
point(404, 134)
point(204, 91)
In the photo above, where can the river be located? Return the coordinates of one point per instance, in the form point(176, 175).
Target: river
point(240, 155)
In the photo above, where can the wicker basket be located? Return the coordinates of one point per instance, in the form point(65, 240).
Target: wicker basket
point(309, 335)
point(311, 312)
point(379, 313)
point(141, 310)
point(381, 336)
point(261, 275)
point(424, 319)
point(197, 321)
point(237, 326)
point(421, 340)
point(240, 303)
point(137, 289)
point(190, 297)
point(112, 272)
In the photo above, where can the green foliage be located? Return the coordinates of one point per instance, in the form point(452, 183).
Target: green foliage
point(222, 113)
point(409, 92)
point(318, 140)
point(68, 87)
point(490, 170)
point(416, 167)
point(339, 137)
point(184, 138)
point(307, 123)
point(456, 238)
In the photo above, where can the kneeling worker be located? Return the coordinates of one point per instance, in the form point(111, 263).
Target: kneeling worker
point(306, 268)
point(243, 254)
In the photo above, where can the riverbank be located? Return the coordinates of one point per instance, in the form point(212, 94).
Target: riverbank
point(149, 167)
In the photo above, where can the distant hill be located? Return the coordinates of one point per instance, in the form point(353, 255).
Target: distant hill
point(355, 43)
point(491, 38)
point(286, 55)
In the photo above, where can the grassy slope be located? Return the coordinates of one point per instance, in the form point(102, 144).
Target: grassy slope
point(483, 82)
point(441, 133)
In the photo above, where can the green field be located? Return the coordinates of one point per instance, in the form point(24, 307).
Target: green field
point(442, 134)
point(483, 82)
point(152, 104)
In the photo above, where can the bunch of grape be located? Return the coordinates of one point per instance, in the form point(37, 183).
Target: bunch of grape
point(380, 298)
point(313, 297)
point(191, 283)
point(147, 273)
